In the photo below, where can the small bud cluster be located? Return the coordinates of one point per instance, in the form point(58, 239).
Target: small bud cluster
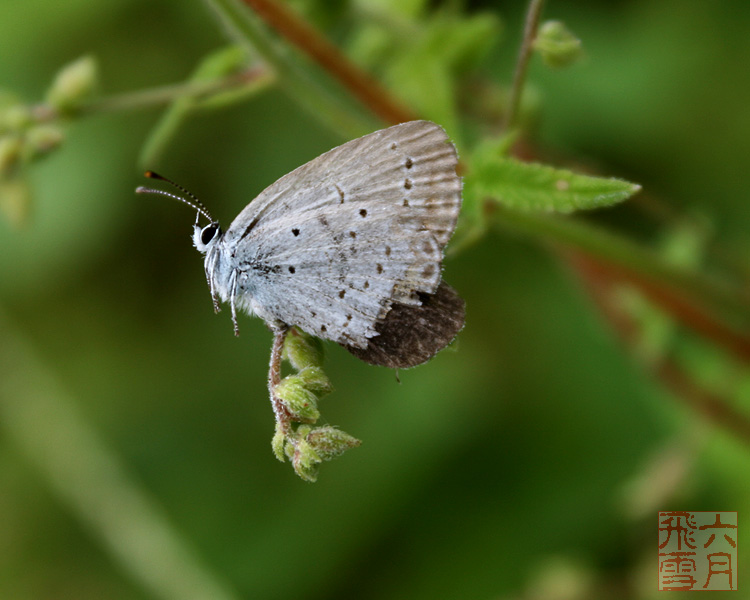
point(306, 446)
point(28, 133)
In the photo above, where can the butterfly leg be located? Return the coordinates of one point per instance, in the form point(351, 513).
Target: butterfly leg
point(233, 279)
point(209, 268)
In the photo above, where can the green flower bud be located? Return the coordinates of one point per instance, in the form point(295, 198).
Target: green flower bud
point(277, 444)
point(15, 200)
point(557, 45)
point(73, 85)
point(306, 461)
point(11, 147)
point(42, 139)
point(315, 380)
point(15, 117)
point(303, 350)
point(301, 403)
point(329, 442)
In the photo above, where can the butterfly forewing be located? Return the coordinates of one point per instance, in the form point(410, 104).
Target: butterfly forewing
point(343, 237)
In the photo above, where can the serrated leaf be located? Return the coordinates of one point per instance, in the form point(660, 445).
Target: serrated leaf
point(536, 187)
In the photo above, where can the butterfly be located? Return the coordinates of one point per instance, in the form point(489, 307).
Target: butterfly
point(348, 247)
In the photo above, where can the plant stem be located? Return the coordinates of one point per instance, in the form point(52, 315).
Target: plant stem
point(720, 313)
point(533, 15)
point(163, 95)
point(329, 57)
point(274, 378)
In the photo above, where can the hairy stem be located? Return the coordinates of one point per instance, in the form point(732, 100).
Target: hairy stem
point(274, 378)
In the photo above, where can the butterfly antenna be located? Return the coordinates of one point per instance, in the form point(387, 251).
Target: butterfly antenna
point(193, 202)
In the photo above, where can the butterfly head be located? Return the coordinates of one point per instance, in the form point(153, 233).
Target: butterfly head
point(204, 238)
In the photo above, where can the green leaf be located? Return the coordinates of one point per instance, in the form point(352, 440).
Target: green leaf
point(535, 187)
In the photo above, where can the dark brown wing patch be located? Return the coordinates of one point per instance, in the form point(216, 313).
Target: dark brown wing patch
point(411, 335)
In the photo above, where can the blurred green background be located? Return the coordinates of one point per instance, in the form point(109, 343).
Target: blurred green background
point(520, 465)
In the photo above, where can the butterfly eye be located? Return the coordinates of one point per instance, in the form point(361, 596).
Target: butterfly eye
point(208, 233)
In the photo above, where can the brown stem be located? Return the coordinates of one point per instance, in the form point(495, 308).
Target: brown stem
point(329, 57)
point(675, 304)
point(524, 54)
point(274, 378)
point(697, 302)
point(599, 282)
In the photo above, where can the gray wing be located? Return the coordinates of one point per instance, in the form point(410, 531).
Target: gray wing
point(351, 232)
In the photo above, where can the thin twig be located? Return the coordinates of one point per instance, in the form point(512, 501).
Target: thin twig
point(329, 57)
point(167, 94)
point(524, 54)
